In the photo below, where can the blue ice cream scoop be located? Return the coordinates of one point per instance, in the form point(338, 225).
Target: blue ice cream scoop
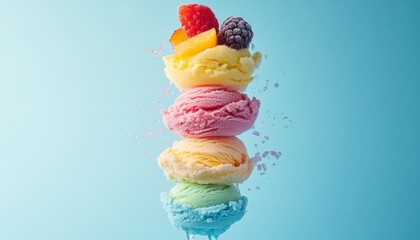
point(208, 221)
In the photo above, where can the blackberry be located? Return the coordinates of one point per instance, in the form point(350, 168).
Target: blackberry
point(235, 33)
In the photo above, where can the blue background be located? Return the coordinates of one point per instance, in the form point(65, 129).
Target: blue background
point(79, 132)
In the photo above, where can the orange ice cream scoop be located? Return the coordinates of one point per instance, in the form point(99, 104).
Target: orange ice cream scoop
point(217, 160)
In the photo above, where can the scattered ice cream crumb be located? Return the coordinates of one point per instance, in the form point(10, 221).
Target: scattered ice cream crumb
point(147, 132)
point(155, 52)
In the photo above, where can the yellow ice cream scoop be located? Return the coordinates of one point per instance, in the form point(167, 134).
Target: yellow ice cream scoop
point(219, 65)
point(216, 160)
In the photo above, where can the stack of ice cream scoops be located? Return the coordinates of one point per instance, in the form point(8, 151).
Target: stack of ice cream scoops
point(211, 67)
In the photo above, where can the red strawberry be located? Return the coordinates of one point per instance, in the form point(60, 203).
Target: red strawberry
point(196, 18)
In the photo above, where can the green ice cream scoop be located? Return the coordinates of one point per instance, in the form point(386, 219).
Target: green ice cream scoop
point(204, 195)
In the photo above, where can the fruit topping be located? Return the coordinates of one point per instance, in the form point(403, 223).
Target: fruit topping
point(235, 33)
point(196, 44)
point(197, 18)
point(178, 36)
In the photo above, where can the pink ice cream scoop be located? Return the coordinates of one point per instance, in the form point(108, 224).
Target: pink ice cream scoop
point(211, 111)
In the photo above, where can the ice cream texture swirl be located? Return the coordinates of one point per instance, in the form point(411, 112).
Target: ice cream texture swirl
point(210, 151)
point(219, 65)
point(209, 160)
point(204, 195)
point(211, 111)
